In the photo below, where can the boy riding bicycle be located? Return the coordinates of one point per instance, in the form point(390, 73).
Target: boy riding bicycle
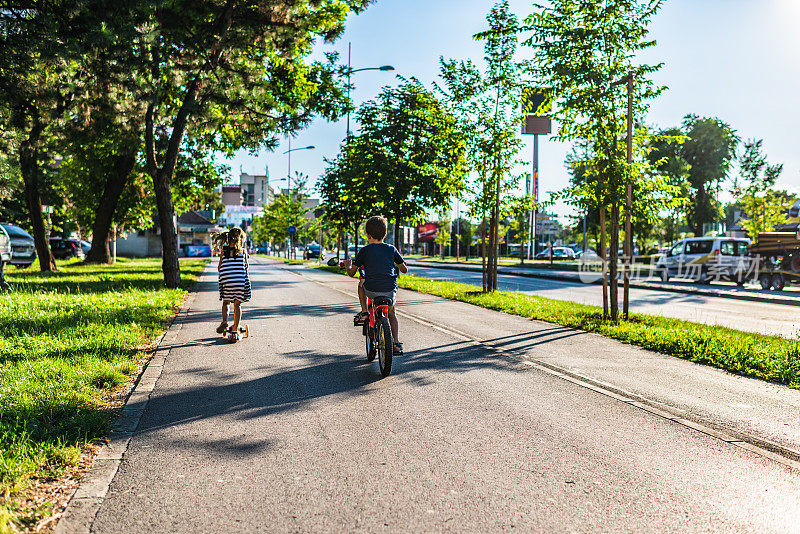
point(381, 263)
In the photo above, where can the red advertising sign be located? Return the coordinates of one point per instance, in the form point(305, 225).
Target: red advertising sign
point(427, 232)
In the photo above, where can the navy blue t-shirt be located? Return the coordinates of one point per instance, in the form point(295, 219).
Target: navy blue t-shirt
point(378, 261)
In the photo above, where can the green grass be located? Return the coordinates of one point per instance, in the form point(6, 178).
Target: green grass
point(769, 358)
point(67, 341)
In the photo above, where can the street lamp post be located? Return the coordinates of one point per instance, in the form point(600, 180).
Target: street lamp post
point(351, 71)
point(289, 179)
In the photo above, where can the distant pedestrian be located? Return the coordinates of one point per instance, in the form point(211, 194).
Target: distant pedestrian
point(234, 282)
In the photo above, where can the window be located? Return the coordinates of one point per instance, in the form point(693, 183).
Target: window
point(699, 247)
point(727, 248)
point(676, 249)
point(741, 248)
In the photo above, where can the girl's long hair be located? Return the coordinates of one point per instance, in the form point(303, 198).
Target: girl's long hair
point(236, 239)
point(218, 241)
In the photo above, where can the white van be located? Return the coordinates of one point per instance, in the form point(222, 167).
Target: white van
point(704, 259)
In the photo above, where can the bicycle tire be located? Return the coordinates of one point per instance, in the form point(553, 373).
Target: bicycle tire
point(385, 346)
point(370, 343)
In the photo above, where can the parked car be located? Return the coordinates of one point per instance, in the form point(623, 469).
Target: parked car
point(23, 250)
point(5, 253)
point(313, 251)
point(64, 249)
point(559, 253)
point(587, 255)
point(85, 246)
point(705, 258)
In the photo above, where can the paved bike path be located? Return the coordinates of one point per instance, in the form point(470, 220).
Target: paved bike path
point(292, 431)
point(747, 406)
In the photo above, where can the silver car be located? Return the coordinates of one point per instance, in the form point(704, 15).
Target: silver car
point(23, 251)
point(707, 258)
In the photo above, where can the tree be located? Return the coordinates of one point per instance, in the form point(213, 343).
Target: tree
point(343, 193)
point(764, 207)
point(232, 73)
point(709, 152)
point(406, 159)
point(666, 157)
point(287, 210)
point(38, 62)
point(488, 105)
point(443, 237)
point(582, 50)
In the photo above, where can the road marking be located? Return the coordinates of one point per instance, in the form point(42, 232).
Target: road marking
point(764, 448)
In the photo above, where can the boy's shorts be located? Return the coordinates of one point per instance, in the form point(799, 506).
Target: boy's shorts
point(375, 294)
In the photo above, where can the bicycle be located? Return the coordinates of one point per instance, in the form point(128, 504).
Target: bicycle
point(378, 334)
point(378, 339)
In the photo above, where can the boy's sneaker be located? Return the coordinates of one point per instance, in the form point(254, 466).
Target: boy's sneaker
point(222, 328)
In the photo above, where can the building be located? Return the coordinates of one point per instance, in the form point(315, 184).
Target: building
point(193, 230)
point(256, 190)
point(241, 216)
point(232, 195)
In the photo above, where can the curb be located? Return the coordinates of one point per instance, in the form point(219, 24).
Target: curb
point(785, 300)
point(85, 502)
point(784, 455)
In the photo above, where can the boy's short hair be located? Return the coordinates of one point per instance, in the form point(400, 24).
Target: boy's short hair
point(376, 227)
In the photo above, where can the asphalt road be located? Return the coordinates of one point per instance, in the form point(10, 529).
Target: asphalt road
point(292, 431)
point(759, 317)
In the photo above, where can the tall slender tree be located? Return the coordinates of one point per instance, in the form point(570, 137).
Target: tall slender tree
point(489, 106)
point(233, 72)
point(581, 52)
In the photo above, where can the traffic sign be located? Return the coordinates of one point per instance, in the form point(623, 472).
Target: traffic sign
point(292, 230)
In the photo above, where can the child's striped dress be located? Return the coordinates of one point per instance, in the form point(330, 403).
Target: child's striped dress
point(234, 283)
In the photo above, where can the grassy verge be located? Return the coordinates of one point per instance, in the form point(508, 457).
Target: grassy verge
point(68, 341)
point(287, 261)
point(770, 358)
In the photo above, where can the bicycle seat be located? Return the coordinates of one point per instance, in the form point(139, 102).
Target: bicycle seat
point(382, 301)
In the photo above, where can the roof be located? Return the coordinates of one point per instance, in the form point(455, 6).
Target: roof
point(193, 218)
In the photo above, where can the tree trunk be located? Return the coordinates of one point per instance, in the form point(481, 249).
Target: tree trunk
point(169, 236)
point(29, 167)
point(604, 259)
point(614, 253)
point(484, 269)
point(397, 244)
point(107, 207)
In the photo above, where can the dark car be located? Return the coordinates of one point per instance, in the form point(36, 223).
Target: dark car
point(313, 251)
point(23, 251)
point(64, 249)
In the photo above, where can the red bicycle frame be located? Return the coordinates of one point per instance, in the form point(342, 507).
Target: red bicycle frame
point(371, 309)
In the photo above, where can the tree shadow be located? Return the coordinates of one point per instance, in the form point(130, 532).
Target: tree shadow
point(309, 376)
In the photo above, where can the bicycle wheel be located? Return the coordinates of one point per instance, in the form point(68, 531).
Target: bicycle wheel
point(385, 345)
point(369, 341)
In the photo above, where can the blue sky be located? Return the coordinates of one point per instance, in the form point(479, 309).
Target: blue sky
point(732, 59)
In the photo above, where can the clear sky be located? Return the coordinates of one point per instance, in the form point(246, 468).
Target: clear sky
point(738, 60)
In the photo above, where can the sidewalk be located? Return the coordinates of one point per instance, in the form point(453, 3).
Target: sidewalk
point(750, 409)
point(789, 297)
point(292, 431)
